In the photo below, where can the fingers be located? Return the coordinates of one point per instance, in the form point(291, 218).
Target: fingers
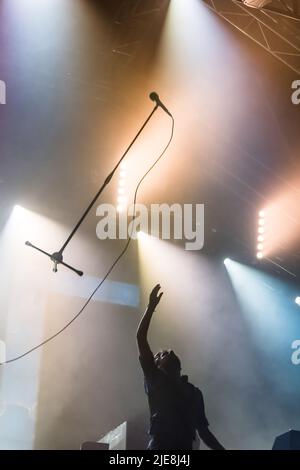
point(155, 295)
point(156, 289)
point(158, 294)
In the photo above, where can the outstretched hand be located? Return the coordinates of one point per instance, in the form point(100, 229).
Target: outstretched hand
point(155, 297)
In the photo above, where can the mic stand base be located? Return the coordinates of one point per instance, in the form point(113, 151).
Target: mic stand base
point(57, 259)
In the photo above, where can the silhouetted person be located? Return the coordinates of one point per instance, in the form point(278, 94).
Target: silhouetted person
point(176, 406)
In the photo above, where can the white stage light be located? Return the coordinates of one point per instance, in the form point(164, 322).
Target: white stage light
point(260, 237)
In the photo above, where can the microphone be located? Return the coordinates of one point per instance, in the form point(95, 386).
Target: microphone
point(154, 97)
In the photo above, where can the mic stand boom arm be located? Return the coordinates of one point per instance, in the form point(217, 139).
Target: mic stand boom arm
point(57, 257)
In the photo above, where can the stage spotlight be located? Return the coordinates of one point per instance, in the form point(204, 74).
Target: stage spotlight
point(121, 199)
point(143, 235)
point(297, 300)
point(263, 302)
point(19, 211)
point(122, 196)
point(260, 237)
point(227, 261)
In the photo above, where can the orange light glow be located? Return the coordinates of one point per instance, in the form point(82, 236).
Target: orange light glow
point(282, 222)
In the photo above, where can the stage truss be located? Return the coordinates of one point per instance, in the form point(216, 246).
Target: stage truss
point(276, 27)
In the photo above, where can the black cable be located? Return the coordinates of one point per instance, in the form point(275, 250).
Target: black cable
point(110, 269)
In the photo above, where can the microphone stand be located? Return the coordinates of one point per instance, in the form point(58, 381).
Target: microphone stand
point(57, 257)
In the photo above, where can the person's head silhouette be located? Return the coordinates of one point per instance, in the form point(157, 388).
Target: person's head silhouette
point(168, 362)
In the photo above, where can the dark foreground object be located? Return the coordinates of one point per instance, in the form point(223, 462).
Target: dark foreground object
point(288, 441)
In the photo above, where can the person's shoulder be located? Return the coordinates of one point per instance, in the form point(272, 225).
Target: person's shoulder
point(185, 379)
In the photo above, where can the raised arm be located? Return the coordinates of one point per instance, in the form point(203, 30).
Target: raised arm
point(142, 331)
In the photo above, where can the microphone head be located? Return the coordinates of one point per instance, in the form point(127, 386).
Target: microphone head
point(154, 96)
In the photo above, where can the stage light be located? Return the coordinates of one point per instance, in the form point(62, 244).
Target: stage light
point(282, 215)
point(144, 236)
point(263, 302)
point(227, 260)
point(19, 211)
point(122, 197)
point(140, 235)
point(260, 237)
point(297, 301)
